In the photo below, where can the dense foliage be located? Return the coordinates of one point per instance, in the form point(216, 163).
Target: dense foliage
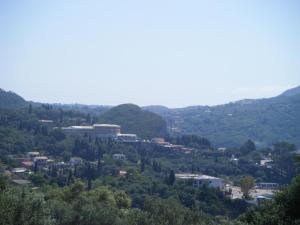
point(11, 100)
point(135, 120)
point(147, 192)
point(283, 210)
point(265, 121)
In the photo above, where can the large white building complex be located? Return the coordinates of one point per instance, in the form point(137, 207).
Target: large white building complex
point(100, 130)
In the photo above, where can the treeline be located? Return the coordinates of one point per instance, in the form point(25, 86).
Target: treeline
point(74, 205)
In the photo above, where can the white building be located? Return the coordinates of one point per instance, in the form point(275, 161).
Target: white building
point(19, 170)
point(266, 163)
point(47, 123)
point(106, 130)
point(200, 180)
point(76, 161)
point(40, 160)
point(119, 157)
point(213, 182)
point(265, 185)
point(127, 138)
point(97, 130)
point(158, 140)
point(31, 155)
point(221, 149)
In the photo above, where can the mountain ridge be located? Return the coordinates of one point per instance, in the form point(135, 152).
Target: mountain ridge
point(264, 120)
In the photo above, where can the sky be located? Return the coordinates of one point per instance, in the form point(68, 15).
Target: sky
point(150, 52)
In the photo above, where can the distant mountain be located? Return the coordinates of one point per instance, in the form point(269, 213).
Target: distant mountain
point(291, 92)
point(263, 120)
point(135, 120)
point(9, 99)
point(156, 108)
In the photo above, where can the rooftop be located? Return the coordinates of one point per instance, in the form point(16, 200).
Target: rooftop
point(79, 127)
point(40, 157)
point(106, 125)
point(93, 126)
point(33, 153)
point(19, 170)
point(126, 135)
point(194, 176)
point(46, 121)
point(21, 182)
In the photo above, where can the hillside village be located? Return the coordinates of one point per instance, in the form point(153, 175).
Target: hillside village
point(34, 161)
point(46, 146)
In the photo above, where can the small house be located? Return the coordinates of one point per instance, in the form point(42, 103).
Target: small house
point(119, 157)
point(40, 160)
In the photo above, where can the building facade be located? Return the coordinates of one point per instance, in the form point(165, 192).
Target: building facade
point(199, 180)
point(97, 130)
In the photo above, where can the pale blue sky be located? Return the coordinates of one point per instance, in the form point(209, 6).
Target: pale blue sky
point(173, 53)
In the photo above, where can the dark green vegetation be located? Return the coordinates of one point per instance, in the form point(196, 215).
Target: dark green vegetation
point(264, 120)
point(97, 192)
point(74, 205)
point(134, 120)
point(283, 210)
point(94, 192)
point(11, 100)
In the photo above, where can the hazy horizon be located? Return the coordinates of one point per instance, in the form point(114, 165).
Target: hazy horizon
point(169, 53)
point(108, 105)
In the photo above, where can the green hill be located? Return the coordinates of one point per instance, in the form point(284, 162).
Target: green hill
point(135, 120)
point(263, 120)
point(10, 100)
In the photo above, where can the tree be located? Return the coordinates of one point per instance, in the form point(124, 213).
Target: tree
point(171, 178)
point(247, 182)
point(284, 209)
point(248, 147)
point(3, 183)
point(122, 200)
point(61, 115)
point(284, 147)
point(142, 165)
point(30, 109)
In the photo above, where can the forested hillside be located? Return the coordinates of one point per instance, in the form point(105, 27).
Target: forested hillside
point(142, 188)
point(11, 100)
point(135, 120)
point(263, 120)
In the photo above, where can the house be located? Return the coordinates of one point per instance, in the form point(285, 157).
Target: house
point(158, 140)
point(76, 161)
point(222, 149)
point(27, 163)
point(47, 123)
point(122, 173)
point(234, 160)
point(265, 185)
point(210, 181)
point(31, 155)
point(186, 176)
point(262, 198)
point(61, 165)
point(127, 138)
point(200, 180)
point(19, 170)
point(40, 160)
point(120, 157)
point(266, 163)
point(21, 182)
